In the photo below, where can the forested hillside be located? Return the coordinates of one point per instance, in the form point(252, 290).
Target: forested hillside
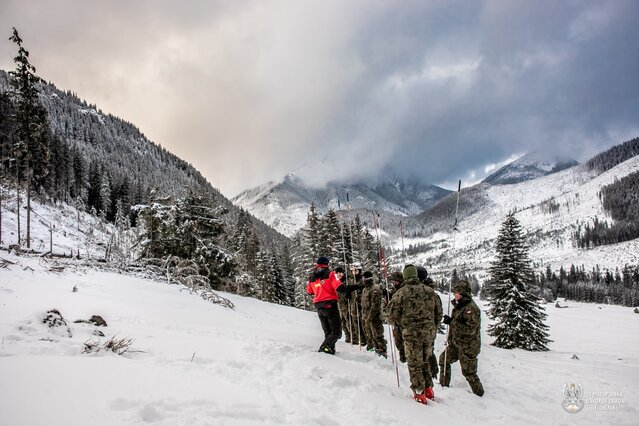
point(97, 160)
point(58, 149)
point(608, 159)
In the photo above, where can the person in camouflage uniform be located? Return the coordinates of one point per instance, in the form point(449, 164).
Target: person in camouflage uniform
point(412, 309)
point(438, 313)
point(397, 280)
point(372, 314)
point(357, 331)
point(343, 302)
point(464, 338)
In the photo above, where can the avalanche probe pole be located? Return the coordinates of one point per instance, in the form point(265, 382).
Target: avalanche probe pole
point(346, 271)
point(450, 283)
point(382, 259)
point(401, 232)
point(350, 228)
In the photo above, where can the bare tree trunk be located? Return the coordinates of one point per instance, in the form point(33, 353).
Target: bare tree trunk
point(28, 208)
point(18, 203)
point(1, 196)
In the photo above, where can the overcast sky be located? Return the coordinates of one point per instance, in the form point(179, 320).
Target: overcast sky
point(248, 91)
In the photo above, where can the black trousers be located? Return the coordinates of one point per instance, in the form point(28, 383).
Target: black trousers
point(331, 323)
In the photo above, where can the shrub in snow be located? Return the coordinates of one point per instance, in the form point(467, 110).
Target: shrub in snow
point(55, 321)
point(118, 346)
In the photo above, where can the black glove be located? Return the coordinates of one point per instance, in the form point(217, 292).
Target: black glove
point(354, 287)
point(447, 319)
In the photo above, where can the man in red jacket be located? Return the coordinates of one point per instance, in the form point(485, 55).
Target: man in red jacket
point(324, 285)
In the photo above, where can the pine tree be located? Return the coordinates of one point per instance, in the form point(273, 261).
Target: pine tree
point(517, 314)
point(199, 230)
point(275, 286)
point(288, 277)
point(31, 150)
point(312, 234)
point(331, 237)
point(158, 222)
point(301, 271)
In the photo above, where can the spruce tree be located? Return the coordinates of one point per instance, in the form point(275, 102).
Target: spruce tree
point(31, 152)
point(199, 230)
point(288, 277)
point(313, 231)
point(332, 238)
point(301, 271)
point(517, 313)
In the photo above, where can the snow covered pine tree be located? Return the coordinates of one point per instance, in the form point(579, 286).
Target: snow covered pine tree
point(517, 313)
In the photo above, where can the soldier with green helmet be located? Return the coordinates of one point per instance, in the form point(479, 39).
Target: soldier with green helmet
point(464, 338)
point(412, 309)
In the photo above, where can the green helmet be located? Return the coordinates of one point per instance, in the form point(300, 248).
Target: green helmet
point(462, 287)
point(410, 271)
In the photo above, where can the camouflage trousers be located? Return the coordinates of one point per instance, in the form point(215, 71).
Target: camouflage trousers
point(346, 322)
point(357, 329)
point(399, 343)
point(468, 364)
point(374, 329)
point(417, 351)
point(432, 361)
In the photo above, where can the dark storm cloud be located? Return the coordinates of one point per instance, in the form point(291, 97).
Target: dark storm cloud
point(249, 90)
point(469, 86)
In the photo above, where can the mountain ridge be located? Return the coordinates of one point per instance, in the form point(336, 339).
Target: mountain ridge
point(285, 204)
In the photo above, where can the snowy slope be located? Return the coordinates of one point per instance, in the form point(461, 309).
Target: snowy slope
point(574, 191)
point(59, 227)
point(195, 363)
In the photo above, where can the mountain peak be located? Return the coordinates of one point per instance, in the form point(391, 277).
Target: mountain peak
point(529, 166)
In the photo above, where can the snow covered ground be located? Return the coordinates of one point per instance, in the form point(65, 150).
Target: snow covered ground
point(196, 363)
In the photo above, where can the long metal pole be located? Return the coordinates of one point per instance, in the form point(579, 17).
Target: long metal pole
point(450, 282)
point(346, 270)
point(382, 260)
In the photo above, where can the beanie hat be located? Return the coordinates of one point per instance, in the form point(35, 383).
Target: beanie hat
point(410, 272)
point(322, 260)
point(462, 287)
point(422, 273)
point(340, 269)
point(368, 274)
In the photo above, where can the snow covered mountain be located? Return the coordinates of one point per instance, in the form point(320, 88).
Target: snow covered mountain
point(284, 205)
point(529, 166)
point(550, 208)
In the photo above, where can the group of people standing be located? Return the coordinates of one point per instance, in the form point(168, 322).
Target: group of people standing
point(358, 305)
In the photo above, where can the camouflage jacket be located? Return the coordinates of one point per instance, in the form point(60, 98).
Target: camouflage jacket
point(465, 326)
point(439, 310)
point(344, 298)
point(371, 300)
point(412, 308)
